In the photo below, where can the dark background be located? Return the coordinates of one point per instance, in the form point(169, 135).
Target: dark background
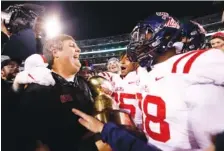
point(95, 19)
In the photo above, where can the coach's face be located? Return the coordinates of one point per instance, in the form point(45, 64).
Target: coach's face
point(69, 56)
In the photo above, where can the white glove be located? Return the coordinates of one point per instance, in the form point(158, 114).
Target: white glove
point(38, 75)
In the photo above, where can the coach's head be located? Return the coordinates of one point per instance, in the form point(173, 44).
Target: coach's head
point(62, 54)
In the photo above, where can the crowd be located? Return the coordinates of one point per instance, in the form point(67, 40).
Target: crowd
point(49, 105)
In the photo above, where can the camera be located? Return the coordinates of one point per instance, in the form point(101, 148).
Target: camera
point(21, 16)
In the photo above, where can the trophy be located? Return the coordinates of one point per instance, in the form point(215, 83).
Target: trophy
point(105, 111)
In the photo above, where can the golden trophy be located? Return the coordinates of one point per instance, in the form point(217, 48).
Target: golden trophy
point(105, 111)
point(103, 103)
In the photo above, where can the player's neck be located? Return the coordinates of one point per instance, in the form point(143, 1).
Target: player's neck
point(165, 56)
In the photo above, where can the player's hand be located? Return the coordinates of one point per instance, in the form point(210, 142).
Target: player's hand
point(89, 122)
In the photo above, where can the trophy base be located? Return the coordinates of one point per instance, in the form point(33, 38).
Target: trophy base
point(116, 116)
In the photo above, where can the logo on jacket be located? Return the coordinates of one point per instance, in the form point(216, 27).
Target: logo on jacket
point(66, 98)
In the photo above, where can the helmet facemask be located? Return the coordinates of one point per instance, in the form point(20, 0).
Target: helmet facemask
point(148, 42)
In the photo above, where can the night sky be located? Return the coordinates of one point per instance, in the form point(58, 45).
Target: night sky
point(87, 20)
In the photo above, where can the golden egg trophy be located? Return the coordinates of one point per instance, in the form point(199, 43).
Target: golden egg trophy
point(104, 109)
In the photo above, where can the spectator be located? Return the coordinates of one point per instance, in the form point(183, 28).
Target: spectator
point(9, 69)
point(22, 40)
point(86, 73)
point(217, 41)
point(21, 45)
point(113, 65)
point(45, 111)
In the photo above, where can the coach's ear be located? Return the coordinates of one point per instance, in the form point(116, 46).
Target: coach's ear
point(55, 52)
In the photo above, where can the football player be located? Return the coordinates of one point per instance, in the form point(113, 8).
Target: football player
point(125, 85)
point(182, 96)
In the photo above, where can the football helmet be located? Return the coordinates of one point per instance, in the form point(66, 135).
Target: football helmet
point(153, 36)
point(195, 36)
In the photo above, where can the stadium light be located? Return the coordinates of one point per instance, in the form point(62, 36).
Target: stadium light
point(102, 51)
point(52, 27)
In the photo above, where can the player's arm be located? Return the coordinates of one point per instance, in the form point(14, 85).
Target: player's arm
point(206, 102)
point(118, 138)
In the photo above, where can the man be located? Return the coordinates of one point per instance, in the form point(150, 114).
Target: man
point(125, 85)
point(217, 41)
point(113, 65)
point(178, 113)
point(86, 72)
point(9, 69)
point(22, 42)
point(45, 111)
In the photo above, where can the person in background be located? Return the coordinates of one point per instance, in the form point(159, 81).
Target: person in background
point(9, 69)
point(86, 72)
point(22, 39)
point(4, 35)
point(21, 45)
point(217, 41)
point(113, 65)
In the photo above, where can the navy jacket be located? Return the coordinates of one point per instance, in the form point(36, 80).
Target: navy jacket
point(21, 45)
point(121, 140)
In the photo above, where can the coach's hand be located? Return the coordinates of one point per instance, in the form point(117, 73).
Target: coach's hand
point(89, 122)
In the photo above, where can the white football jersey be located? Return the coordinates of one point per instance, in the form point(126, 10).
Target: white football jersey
point(124, 94)
point(182, 100)
point(107, 75)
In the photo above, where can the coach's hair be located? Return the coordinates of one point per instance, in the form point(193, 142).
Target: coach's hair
point(54, 43)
